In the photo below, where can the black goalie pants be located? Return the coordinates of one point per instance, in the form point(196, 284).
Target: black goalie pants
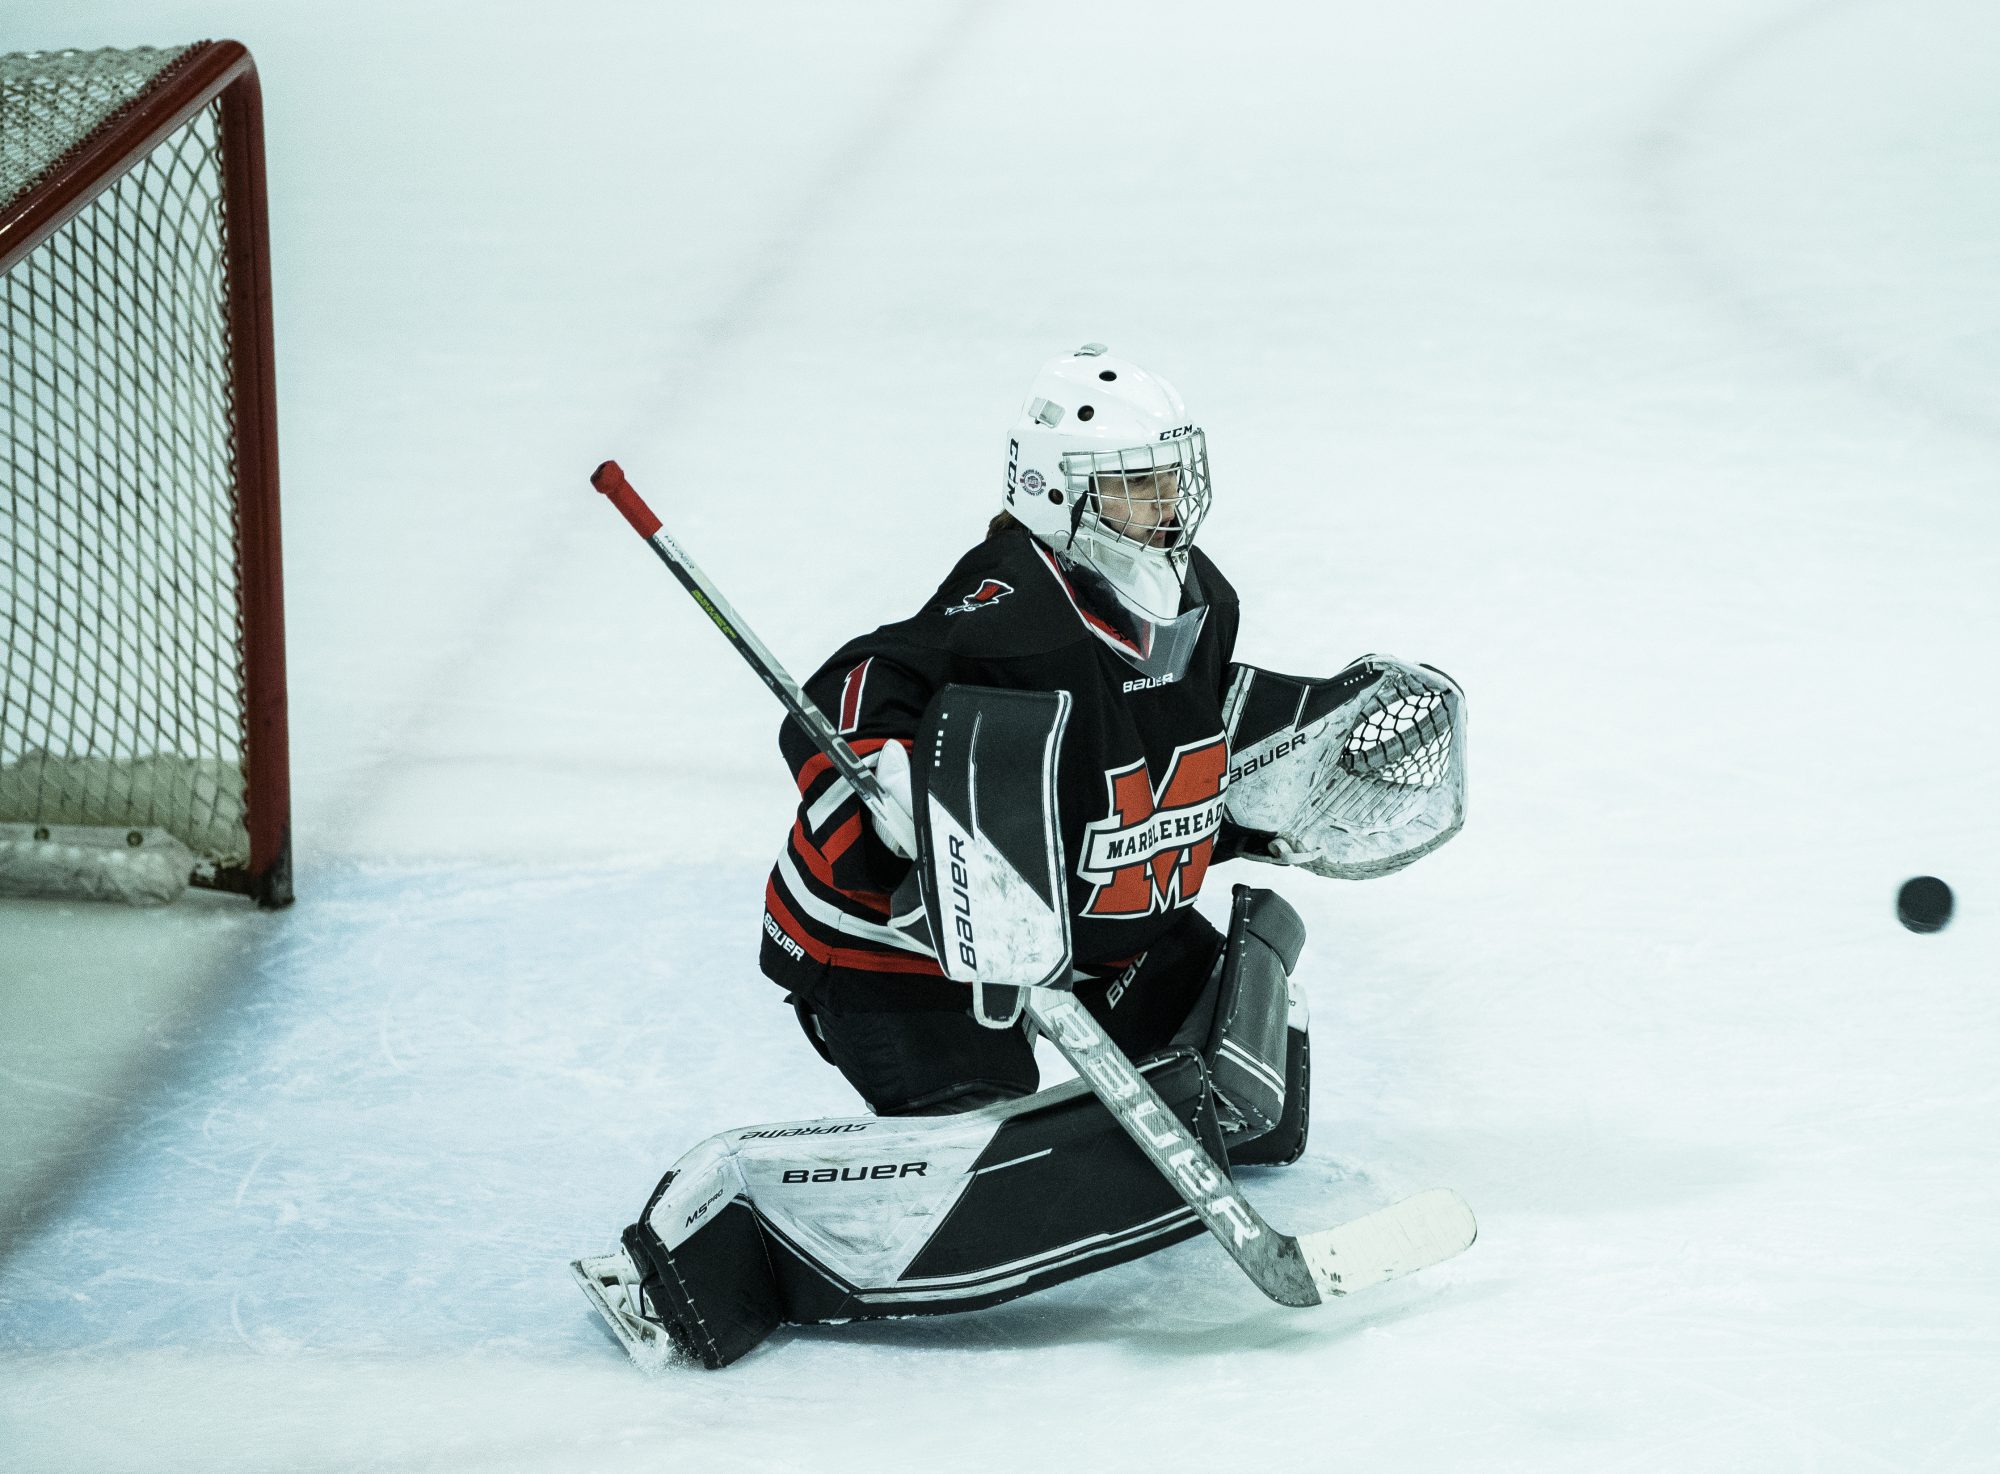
point(913, 1048)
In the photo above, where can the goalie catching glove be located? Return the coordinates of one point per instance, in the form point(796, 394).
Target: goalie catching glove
point(1353, 776)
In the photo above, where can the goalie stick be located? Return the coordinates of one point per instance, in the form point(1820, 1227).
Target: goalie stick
point(1303, 1269)
point(610, 480)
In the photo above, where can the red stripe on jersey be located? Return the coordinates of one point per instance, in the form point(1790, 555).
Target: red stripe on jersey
point(1109, 632)
point(850, 696)
point(815, 861)
point(904, 962)
point(842, 839)
point(820, 863)
point(820, 764)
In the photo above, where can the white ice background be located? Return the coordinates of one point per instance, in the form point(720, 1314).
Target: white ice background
point(1635, 363)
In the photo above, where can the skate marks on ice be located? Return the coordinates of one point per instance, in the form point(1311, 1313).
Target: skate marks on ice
point(103, 1010)
point(336, 1237)
point(386, 1135)
point(389, 1134)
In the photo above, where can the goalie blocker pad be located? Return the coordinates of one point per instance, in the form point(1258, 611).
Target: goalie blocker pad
point(990, 864)
point(1359, 774)
point(875, 1218)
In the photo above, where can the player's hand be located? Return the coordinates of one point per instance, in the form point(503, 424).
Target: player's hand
point(892, 771)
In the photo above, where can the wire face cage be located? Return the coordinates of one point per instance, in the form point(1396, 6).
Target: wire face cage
point(142, 716)
point(1153, 486)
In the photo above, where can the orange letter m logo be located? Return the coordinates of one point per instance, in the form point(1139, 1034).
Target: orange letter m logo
point(1151, 852)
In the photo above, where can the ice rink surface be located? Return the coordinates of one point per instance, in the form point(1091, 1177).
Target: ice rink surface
point(1636, 364)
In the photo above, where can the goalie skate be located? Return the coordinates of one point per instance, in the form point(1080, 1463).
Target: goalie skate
point(611, 1284)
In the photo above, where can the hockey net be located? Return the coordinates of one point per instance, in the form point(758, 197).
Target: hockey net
point(142, 709)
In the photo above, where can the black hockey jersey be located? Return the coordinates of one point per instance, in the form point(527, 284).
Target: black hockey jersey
point(1139, 787)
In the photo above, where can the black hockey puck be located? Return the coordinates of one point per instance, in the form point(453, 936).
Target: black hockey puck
point(1924, 903)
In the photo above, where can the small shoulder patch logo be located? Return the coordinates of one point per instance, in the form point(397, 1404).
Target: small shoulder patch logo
point(988, 591)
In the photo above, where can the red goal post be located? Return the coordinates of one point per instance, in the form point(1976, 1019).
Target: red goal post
point(143, 739)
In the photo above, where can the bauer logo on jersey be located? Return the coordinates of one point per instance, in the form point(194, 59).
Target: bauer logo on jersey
point(1151, 852)
point(988, 592)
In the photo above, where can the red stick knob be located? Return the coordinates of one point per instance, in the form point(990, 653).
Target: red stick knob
point(610, 480)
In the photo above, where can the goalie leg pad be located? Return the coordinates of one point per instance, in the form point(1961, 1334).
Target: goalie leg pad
point(719, 1302)
point(827, 1221)
point(1252, 1030)
point(1286, 1142)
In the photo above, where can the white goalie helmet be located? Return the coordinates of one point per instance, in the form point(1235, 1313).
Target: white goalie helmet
point(1105, 467)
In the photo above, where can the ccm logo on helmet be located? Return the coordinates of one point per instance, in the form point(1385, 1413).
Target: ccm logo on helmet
point(1177, 434)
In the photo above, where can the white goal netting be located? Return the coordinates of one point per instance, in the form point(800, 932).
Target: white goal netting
point(122, 686)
